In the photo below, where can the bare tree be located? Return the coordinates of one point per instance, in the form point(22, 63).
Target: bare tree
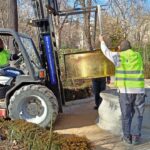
point(4, 17)
point(59, 22)
point(12, 20)
point(131, 16)
point(86, 24)
point(3, 14)
point(13, 15)
point(25, 13)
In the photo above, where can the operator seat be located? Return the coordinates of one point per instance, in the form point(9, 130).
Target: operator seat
point(11, 72)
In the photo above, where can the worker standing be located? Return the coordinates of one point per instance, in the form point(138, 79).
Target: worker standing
point(99, 85)
point(129, 79)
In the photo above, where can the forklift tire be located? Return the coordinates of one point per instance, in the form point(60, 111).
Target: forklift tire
point(34, 103)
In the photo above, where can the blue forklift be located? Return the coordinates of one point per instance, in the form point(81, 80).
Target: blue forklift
point(34, 92)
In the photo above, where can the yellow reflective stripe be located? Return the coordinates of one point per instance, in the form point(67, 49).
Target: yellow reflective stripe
point(129, 75)
point(130, 79)
point(129, 72)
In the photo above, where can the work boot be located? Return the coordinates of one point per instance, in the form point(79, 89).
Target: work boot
point(127, 140)
point(135, 139)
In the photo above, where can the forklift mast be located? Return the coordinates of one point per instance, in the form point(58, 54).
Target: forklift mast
point(47, 46)
point(47, 41)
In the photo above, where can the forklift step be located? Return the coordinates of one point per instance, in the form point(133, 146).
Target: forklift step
point(2, 104)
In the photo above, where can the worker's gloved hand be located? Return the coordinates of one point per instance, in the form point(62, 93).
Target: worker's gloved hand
point(19, 54)
point(14, 57)
point(101, 38)
point(108, 80)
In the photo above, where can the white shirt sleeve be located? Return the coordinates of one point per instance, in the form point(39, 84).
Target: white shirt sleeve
point(112, 56)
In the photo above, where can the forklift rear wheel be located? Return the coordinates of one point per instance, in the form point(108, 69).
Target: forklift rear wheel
point(34, 103)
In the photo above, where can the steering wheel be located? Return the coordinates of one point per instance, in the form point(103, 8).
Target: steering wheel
point(15, 44)
point(18, 61)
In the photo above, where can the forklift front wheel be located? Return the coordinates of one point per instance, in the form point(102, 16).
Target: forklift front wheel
point(34, 103)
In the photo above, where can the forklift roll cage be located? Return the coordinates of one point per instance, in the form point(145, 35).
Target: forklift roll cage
point(16, 36)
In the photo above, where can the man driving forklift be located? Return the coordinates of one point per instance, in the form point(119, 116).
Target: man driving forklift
point(5, 57)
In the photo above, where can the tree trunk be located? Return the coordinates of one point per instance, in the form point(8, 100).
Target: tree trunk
point(87, 25)
point(12, 20)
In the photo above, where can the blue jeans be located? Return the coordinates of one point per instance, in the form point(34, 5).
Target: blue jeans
point(99, 84)
point(130, 103)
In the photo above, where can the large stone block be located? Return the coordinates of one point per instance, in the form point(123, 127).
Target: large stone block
point(110, 114)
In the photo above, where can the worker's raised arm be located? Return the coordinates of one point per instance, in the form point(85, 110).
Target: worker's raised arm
point(112, 56)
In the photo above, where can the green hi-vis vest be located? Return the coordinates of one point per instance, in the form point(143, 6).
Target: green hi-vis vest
point(130, 72)
point(4, 58)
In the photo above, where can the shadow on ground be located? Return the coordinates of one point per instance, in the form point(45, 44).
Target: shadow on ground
point(79, 118)
point(77, 114)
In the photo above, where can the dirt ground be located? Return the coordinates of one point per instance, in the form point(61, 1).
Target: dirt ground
point(79, 118)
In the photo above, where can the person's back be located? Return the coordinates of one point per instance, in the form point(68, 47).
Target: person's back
point(129, 74)
point(4, 55)
point(129, 68)
point(130, 82)
point(4, 58)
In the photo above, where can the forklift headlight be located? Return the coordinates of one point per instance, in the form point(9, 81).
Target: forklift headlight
point(42, 73)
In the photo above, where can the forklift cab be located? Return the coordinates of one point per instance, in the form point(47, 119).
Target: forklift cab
point(29, 60)
point(26, 96)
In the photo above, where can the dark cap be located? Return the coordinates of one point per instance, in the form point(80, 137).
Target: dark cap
point(125, 45)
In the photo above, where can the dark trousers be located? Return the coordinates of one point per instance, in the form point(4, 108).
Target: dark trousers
point(130, 103)
point(99, 84)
